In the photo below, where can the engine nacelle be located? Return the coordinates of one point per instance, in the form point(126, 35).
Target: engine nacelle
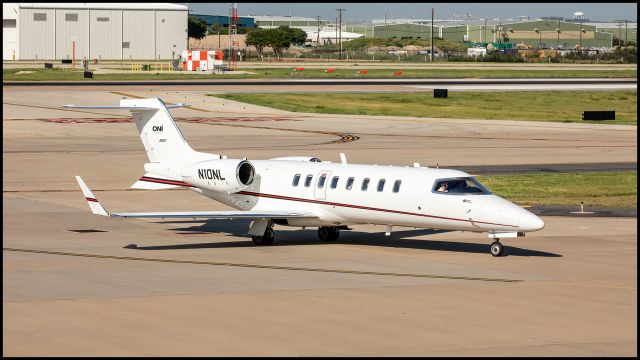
point(224, 176)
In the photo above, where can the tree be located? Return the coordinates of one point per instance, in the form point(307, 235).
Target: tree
point(257, 38)
point(197, 28)
point(296, 36)
point(278, 39)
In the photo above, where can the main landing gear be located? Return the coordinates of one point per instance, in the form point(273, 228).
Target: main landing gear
point(267, 238)
point(328, 233)
point(496, 248)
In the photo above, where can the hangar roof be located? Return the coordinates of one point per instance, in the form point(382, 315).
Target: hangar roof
point(112, 6)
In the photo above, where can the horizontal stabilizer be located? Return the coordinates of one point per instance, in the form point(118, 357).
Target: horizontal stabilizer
point(132, 107)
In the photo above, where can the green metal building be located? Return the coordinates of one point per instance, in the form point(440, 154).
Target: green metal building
point(551, 34)
point(536, 33)
point(406, 31)
point(628, 34)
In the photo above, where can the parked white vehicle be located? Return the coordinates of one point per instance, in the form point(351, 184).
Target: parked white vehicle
point(476, 51)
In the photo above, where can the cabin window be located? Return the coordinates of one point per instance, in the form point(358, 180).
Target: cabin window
point(381, 184)
point(321, 181)
point(296, 179)
point(39, 16)
point(71, 17)
point(396, 186)
point(334, 182)
point(457, 186)
point(307, 181)
point(349, 183)
point(365, 184)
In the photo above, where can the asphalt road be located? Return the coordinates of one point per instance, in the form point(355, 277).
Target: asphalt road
point(284, 82)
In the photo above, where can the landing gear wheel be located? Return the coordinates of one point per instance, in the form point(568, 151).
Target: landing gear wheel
point(335, 234)
point(266, 239)
point(496, 248)
point(328, 233)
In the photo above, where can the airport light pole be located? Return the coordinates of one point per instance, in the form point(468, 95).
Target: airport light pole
point(581, 30)
point(318, 37)
point(558, 30)
point(431, 54)
point(540, 34)
point(340, 30)
point(626, 22)
point(485, 29)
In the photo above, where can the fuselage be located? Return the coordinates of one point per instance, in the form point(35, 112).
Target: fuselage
point(407, 197)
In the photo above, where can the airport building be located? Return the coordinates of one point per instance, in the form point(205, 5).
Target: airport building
point(223, 20)
point(535, 33)
point(105, 31)
point(304, 23)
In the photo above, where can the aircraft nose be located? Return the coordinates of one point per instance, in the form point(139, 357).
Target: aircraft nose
point(530, 222)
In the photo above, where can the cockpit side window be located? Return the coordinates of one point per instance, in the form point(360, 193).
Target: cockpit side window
point(459, 186)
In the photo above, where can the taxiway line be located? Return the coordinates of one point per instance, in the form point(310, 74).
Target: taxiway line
point(257, 266)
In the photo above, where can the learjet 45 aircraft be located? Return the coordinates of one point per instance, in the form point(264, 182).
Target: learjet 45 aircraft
point(306, 192)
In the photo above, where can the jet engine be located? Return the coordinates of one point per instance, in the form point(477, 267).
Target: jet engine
point(226, 176)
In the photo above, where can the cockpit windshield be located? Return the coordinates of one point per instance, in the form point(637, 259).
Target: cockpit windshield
point(467, 185)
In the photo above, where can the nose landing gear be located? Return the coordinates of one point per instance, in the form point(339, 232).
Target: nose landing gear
point(496, 248)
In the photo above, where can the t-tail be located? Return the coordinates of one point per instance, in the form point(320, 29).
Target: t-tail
point(166, 147)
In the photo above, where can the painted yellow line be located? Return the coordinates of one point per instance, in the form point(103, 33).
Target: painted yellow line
point(257, 266)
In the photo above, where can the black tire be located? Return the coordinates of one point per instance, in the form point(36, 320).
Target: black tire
point(324, 233)
point(335, 234)
point(496, 249)
point(266, 239)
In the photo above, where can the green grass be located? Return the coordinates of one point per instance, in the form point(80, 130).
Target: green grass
point(558, 106)
point(611, 189)
point(40, 74)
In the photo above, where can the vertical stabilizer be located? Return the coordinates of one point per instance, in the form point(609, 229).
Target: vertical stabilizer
point(159, 133)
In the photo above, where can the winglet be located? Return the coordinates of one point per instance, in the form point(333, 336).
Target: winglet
point(95, 206)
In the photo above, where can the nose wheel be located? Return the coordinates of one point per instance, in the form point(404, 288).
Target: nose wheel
point(496, 248)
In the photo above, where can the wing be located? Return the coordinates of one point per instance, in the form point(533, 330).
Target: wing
point(98, 209)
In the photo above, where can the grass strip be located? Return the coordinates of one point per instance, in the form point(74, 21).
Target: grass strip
point(40, 74)
point(610, 189)
point(555, 106)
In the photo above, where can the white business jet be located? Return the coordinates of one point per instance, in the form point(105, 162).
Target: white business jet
point(306, 192)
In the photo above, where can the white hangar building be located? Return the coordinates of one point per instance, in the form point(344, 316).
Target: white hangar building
point(106, 31)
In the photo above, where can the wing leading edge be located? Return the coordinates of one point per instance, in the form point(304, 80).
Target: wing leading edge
point(98, 209)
